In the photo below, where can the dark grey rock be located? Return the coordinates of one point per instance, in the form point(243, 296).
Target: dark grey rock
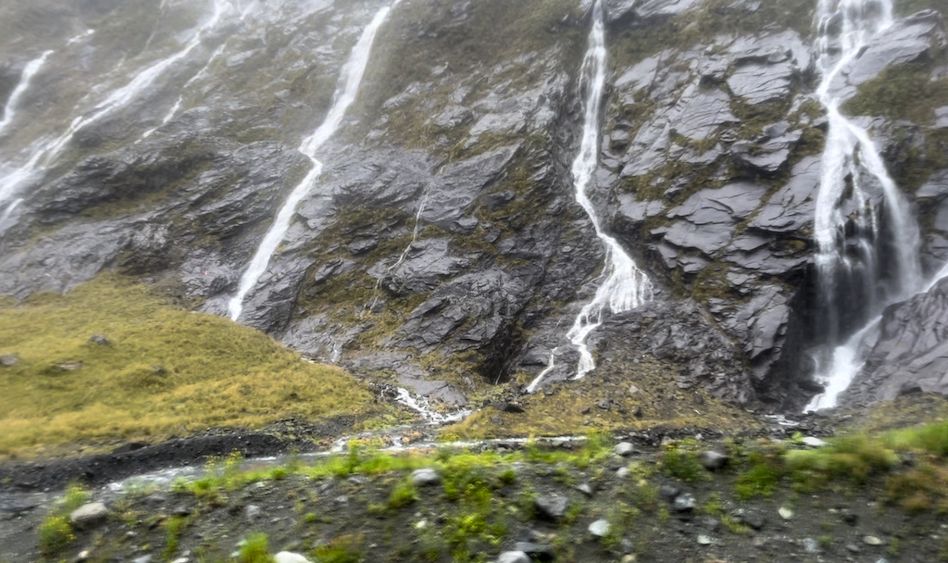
point(668, 492)
point(536, 551)
point(100, 340)
point(684, 503)
point(911, 353)
point(551, 506)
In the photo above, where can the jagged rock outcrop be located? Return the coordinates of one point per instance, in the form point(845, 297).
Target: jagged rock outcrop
point(911, 355)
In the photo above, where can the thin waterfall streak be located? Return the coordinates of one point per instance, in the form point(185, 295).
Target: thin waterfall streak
point(180, 101)
point(550, 366)
point(46, 155)
point(346, 91)
point(80, 37)
point(5, 216)
point(845, 28)
point(624, 286)
point(416, 228)
point(13, 102)
point(422, 406)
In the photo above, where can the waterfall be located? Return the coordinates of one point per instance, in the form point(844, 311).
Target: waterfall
point(345, 95)
point(624, 286)
point(46, 153)
point(29, 71)
point(849, 265)
point(422, 406)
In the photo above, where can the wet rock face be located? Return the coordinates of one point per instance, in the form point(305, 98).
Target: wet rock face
point(911, 355)
point(442, 245)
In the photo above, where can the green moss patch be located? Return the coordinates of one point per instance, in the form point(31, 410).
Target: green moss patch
point(163, 371)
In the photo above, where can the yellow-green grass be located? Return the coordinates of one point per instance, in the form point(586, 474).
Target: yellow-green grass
point(635, 399)
point(166, 371)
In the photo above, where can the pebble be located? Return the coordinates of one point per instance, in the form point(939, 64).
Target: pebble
point(252, 512)
point(668, 492)
point(551, 507)
point(289, 557)
point(9, 360)
point(814, 442)
point(810, 545)
point(586, 489)
point(513, 557)
point(872, 540)
point(142, 559)
point(785, 513)
point(705, 540)
point(540, 551)
point(100, 340)
point(89, 515)
point(623, 472)
point(425, 477)
point(624, 449)
point(684, 503)
point(852, 548)
point(599, 528)
point(749, 517)
point(713, 460)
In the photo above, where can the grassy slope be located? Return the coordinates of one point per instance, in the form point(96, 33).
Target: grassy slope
point(165, 371)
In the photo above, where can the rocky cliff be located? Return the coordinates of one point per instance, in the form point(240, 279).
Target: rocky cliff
point(442, 249)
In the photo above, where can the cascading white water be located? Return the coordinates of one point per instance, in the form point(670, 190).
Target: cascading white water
point(851, 162)
point(46, 153)
point(13, 102)
point(625, 286)
point(423, 408)
point(345, 95)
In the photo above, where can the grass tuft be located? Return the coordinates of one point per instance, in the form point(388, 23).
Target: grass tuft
point(255, 549)
point(55, 534)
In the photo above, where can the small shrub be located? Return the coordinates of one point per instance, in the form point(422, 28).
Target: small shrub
point(682, 463)
point(403, 494)
point(928, 438)
point(55, 535)
point(255, 549)
point(76, 496)
point(763, 476)
point(344, 549)
point(173, 528)
point(920, 489)
point(854, 458)
point(508, 476)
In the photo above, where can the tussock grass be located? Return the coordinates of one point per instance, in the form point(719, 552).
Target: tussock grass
point(165, 371)
point(909, 462)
